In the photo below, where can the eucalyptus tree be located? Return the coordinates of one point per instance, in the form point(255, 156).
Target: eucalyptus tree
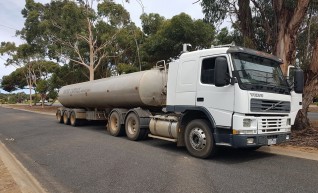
point(76, 31)
point(23, 57)
point(165, 38)
point(266, 25)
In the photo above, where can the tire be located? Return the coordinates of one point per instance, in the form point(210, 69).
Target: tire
point(199, 139)
point(114, 127)
point(66, 120)
point(132, 127)
point(73, 121)
point(59, 116)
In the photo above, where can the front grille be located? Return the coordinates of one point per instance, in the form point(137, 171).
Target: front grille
point(270, 125)
point(263, 105)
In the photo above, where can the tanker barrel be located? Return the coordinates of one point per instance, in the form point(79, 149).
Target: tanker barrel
point(139, 89)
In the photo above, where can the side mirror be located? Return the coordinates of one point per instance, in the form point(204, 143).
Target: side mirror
point(221, 72)
point(299, 81)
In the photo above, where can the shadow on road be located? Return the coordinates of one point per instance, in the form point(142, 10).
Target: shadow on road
point(234, 156)
point(224, 155)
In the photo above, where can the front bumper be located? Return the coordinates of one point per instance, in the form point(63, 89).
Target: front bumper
point(240, 141)
point(244, 141)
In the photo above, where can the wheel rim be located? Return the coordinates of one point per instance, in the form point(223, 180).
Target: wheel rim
point(65, 119)
point(197, 139)
point(131, 126)
point(114, 123)
point(73, 118)
point(59, 116)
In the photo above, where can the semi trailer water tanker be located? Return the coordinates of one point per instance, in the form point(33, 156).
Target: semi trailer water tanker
point(146, 89)
point(223, 96)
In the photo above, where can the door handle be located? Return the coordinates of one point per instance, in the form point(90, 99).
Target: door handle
point(200, 99)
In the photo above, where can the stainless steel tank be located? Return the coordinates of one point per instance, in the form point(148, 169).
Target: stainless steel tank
point(139, 89)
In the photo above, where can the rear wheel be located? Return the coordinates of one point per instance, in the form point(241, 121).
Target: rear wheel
point(73, 120)
point(66, 120)
point(59, 116)
point(132, 127)
point(114, 127)
point(199, 139)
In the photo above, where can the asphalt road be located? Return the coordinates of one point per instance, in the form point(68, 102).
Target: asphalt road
point(87, 159)
point(312, 116)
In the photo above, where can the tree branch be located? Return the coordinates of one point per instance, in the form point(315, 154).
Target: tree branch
point(78, 62)
point(299, 14)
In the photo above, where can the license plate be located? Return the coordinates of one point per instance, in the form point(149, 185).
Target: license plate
point(271, 141)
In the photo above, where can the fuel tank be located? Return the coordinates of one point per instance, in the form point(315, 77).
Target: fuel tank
point(139, 89)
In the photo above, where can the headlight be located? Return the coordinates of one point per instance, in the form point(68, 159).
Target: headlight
point(288, 122)
point(247, 122)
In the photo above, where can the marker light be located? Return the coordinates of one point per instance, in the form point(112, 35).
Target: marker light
point(250, 140)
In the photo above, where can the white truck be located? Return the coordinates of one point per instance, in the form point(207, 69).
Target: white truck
point(223, 96)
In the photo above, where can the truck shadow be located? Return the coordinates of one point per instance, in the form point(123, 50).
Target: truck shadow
point(224, 155)
point(234, 156)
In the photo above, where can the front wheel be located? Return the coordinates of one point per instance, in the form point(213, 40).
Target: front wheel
point(199, 139)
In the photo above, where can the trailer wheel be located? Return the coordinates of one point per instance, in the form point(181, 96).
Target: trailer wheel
point(199, 139)
point(132, 127)
point(73, 121)
point(114, 127)
point(66, 120)
point(59, 116)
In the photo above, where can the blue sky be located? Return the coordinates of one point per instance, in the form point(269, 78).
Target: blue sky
point(11, 18)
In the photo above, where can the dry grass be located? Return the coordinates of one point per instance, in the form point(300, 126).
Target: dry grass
point(37, 108)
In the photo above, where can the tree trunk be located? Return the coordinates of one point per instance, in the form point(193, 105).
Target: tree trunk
point(245, 20)
point(30, 89)
point(288, 22)
point(91, 51)
point(310, 90)
point(91, 73)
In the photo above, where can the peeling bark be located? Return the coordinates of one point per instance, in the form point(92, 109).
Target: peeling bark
point(288, 23)
point(310, 90)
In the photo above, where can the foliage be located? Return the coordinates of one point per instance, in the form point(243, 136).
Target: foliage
point(126, 68)
point(13, 81)
point(74, 31)
point(151, 23)
point(12, 98)
point(166, 43)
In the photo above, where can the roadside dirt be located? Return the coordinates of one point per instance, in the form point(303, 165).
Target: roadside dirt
point(7, 184)
point(305, 140)
point(47, 109)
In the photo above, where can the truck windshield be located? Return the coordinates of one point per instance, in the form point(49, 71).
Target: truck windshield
point(258, 73)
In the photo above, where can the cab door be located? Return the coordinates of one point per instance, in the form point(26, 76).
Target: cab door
point(219, 101)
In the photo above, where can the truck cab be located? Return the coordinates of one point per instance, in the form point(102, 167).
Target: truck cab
point(242, 93)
